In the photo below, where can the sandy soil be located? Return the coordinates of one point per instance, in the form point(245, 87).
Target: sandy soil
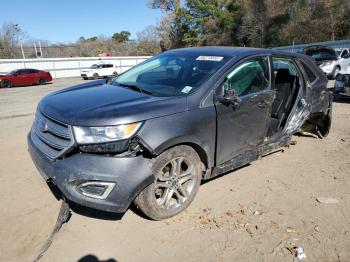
point(252, 214)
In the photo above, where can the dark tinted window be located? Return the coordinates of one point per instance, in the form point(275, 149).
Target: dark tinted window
point(107, 66)
point(22, 72)
point(249, 77)
point(309, 73)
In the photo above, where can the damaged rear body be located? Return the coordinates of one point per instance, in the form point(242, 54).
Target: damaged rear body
point(97, 142)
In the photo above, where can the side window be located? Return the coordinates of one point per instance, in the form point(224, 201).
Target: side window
point(249, 77)
point(22, 72)
point(309, 73)
point(284, 64)
point(345, 54)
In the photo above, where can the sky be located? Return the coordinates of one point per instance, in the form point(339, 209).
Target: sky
point(64, 21)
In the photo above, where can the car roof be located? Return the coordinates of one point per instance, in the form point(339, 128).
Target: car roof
point(233, 51)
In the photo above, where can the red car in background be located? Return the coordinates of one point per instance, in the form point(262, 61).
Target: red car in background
point(25, 77)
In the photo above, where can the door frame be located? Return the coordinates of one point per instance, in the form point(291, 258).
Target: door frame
point(249, 154)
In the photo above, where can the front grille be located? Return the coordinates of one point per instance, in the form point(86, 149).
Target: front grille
point(83, 75)
point(52, 138)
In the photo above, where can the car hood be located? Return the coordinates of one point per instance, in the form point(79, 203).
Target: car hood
point(313, 50)
point(99, 104)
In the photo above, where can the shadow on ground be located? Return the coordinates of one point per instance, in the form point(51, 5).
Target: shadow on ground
point(92, 258)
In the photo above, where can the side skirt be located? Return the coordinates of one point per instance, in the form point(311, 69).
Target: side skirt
point(248, 157)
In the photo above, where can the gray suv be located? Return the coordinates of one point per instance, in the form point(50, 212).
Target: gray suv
point(151, 135)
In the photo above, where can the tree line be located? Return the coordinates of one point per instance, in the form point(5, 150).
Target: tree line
point(253, 23)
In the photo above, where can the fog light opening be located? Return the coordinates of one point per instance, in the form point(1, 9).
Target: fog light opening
point(96, 189)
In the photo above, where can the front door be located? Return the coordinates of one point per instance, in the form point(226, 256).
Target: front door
point(244, 126)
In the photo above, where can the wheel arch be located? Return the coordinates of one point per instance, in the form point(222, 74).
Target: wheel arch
point(202, 153)
point(319, 123)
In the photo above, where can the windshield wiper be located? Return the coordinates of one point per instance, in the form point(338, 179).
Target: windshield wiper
point(136, 88)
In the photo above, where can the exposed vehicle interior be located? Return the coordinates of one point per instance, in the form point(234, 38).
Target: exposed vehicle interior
point(286, 86)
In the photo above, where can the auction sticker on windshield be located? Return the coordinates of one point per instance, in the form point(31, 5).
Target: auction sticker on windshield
point(209, 58)
point(186, 89)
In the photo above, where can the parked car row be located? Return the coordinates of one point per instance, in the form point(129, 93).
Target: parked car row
point(29, 76)
point(25, 77)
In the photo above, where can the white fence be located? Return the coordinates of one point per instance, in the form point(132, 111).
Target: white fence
point(69, 67)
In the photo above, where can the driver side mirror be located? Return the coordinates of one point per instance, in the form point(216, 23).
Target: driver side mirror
point(230, 97)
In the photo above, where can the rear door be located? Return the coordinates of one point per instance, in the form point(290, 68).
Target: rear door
point(244, 127)
point(33, 76)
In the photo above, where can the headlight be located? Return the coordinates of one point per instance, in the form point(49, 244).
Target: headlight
point(93, 135)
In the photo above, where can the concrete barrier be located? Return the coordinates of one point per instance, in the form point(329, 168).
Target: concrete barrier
point(69, 67)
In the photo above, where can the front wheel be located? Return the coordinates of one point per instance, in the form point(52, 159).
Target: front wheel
point(178, 174)
point(95, 76)
point(5, 84)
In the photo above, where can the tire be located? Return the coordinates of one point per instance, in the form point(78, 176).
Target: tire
point(173, 190)
point(85, 78)
point(115, 74)
point(95, 76)
point(41, 81)
point(6, 84)
point(324, 124)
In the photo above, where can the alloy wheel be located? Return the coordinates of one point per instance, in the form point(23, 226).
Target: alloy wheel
point(175, 183)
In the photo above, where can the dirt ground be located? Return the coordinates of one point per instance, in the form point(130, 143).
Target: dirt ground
point(252, 214)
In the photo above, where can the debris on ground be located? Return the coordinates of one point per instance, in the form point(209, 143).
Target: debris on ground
point(293, 142)
point(290, 230)
point(63, 217)
point(257, 213)
point(242, 209)
point(327, 200)
point(297, 252)
point(316, 228)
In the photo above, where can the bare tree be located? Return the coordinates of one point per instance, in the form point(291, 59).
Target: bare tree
point(10, 37)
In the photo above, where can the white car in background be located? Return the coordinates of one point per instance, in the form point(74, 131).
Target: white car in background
point(99, 70)
point(326, 58)
point(344, 60)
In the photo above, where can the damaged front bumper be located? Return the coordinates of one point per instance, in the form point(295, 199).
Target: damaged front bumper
point(101, 182)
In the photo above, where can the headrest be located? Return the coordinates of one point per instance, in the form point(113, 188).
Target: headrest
point(205, 66)
point(282, 76)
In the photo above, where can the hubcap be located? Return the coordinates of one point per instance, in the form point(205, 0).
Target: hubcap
point(175, 183)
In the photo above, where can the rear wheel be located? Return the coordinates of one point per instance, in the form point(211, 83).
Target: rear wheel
point(178, 175)
point(95, 76)
point(6, 84)
point(41, 81)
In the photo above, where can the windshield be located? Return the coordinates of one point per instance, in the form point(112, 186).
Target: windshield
point(13, 72)
point(94, 66)
point(172, 74)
